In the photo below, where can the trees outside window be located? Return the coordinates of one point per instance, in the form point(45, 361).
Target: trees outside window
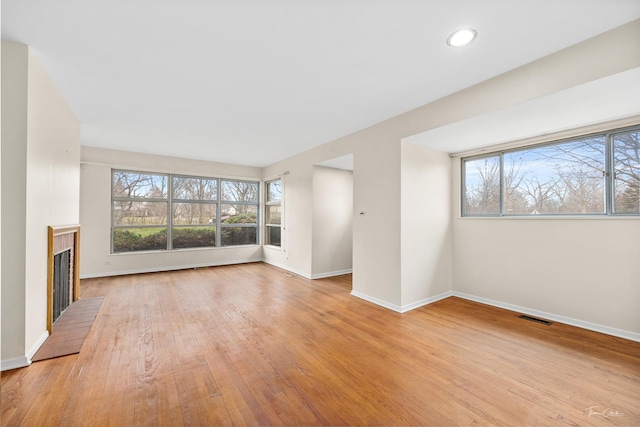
point(482, 186)
point(273, 213)
point(140, 205)
point(591, 175)
point(194, 212)
point(626, 172)
point(239, 213)
point(163, 211)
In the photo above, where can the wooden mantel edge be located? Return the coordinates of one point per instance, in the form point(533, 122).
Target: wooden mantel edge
point(64, 229)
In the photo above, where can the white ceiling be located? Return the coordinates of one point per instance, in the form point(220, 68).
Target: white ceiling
point(255, 81)
point(342, 162)
point(607, 99)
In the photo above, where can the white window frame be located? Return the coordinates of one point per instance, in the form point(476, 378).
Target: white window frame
point(608, 174)
point(169, 200)
point(280, 203)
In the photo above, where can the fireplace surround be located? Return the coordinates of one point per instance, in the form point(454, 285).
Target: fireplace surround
point(63, 239)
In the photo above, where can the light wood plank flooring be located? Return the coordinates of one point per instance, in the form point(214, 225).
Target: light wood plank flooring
point(253, 345)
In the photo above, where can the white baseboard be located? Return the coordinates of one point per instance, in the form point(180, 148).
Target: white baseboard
point(24, 361)
point(213, 264)
point(165, 268)
point(291, 270)
point(426, 301)
point(377, 301)
point(15, 363)
point(633, 336)
point(309, 276)
point(402, 308)
point(37, 345)
point(331, 274)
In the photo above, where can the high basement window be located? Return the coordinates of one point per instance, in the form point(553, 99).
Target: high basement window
point(597, 174)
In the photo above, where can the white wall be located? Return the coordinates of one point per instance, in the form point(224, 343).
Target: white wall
point(53, 185)
point(426, 224)
point(376, 192)
point(295, 252)
point(0, 195)
point(379, 269)
point(14, 193)
point(95, 215)
point(586, 270)
point(41, 156)
point(332, 237)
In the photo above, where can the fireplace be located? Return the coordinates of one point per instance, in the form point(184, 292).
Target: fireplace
point(62, 286)
point(63, 270)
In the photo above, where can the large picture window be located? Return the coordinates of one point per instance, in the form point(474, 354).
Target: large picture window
point(591, 175)
point(140, 207)
point(273, 213)
point(163, 212)
point(239, 213)
point(194, 210)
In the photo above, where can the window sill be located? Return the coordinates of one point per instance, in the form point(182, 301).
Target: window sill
point(209, 248)
point(553, 217)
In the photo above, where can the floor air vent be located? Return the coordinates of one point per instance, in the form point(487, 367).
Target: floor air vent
point(535, 319)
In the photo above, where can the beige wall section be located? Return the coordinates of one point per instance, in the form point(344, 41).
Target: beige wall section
point(0, 197)
point(376, 192)
point(53, 185)
point(295, 253)
point(95, 214)
point(14, 193)
point(426, 225)
point(332, 238)
point(585, 269)
point(377, 261)
point(41, 163)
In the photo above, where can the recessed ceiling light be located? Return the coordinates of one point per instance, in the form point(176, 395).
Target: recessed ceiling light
point(461, 37)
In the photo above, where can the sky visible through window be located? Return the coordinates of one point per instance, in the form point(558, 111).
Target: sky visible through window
point(562, 178)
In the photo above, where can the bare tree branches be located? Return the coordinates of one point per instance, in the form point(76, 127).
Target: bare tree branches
point(563, 178)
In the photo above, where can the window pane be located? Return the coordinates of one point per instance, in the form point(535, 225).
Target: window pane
point(139, 239)
point(239, 214)
point(193, 237)
point(194, 188)
point(239, 191)
point(272, 236)
point(139, 185)
point(194, 213)
point(232, 236)
point(565, 178)
point(482, 186)
point(139, 213)
point(626, 159)
point(274, 191)
point(273, 214)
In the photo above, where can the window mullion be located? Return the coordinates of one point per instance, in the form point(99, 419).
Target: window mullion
point(609, 186)
point(501, 184)
point(170, 213)
point(219, 214)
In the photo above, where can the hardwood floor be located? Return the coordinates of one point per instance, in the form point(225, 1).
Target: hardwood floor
point(253, 345)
